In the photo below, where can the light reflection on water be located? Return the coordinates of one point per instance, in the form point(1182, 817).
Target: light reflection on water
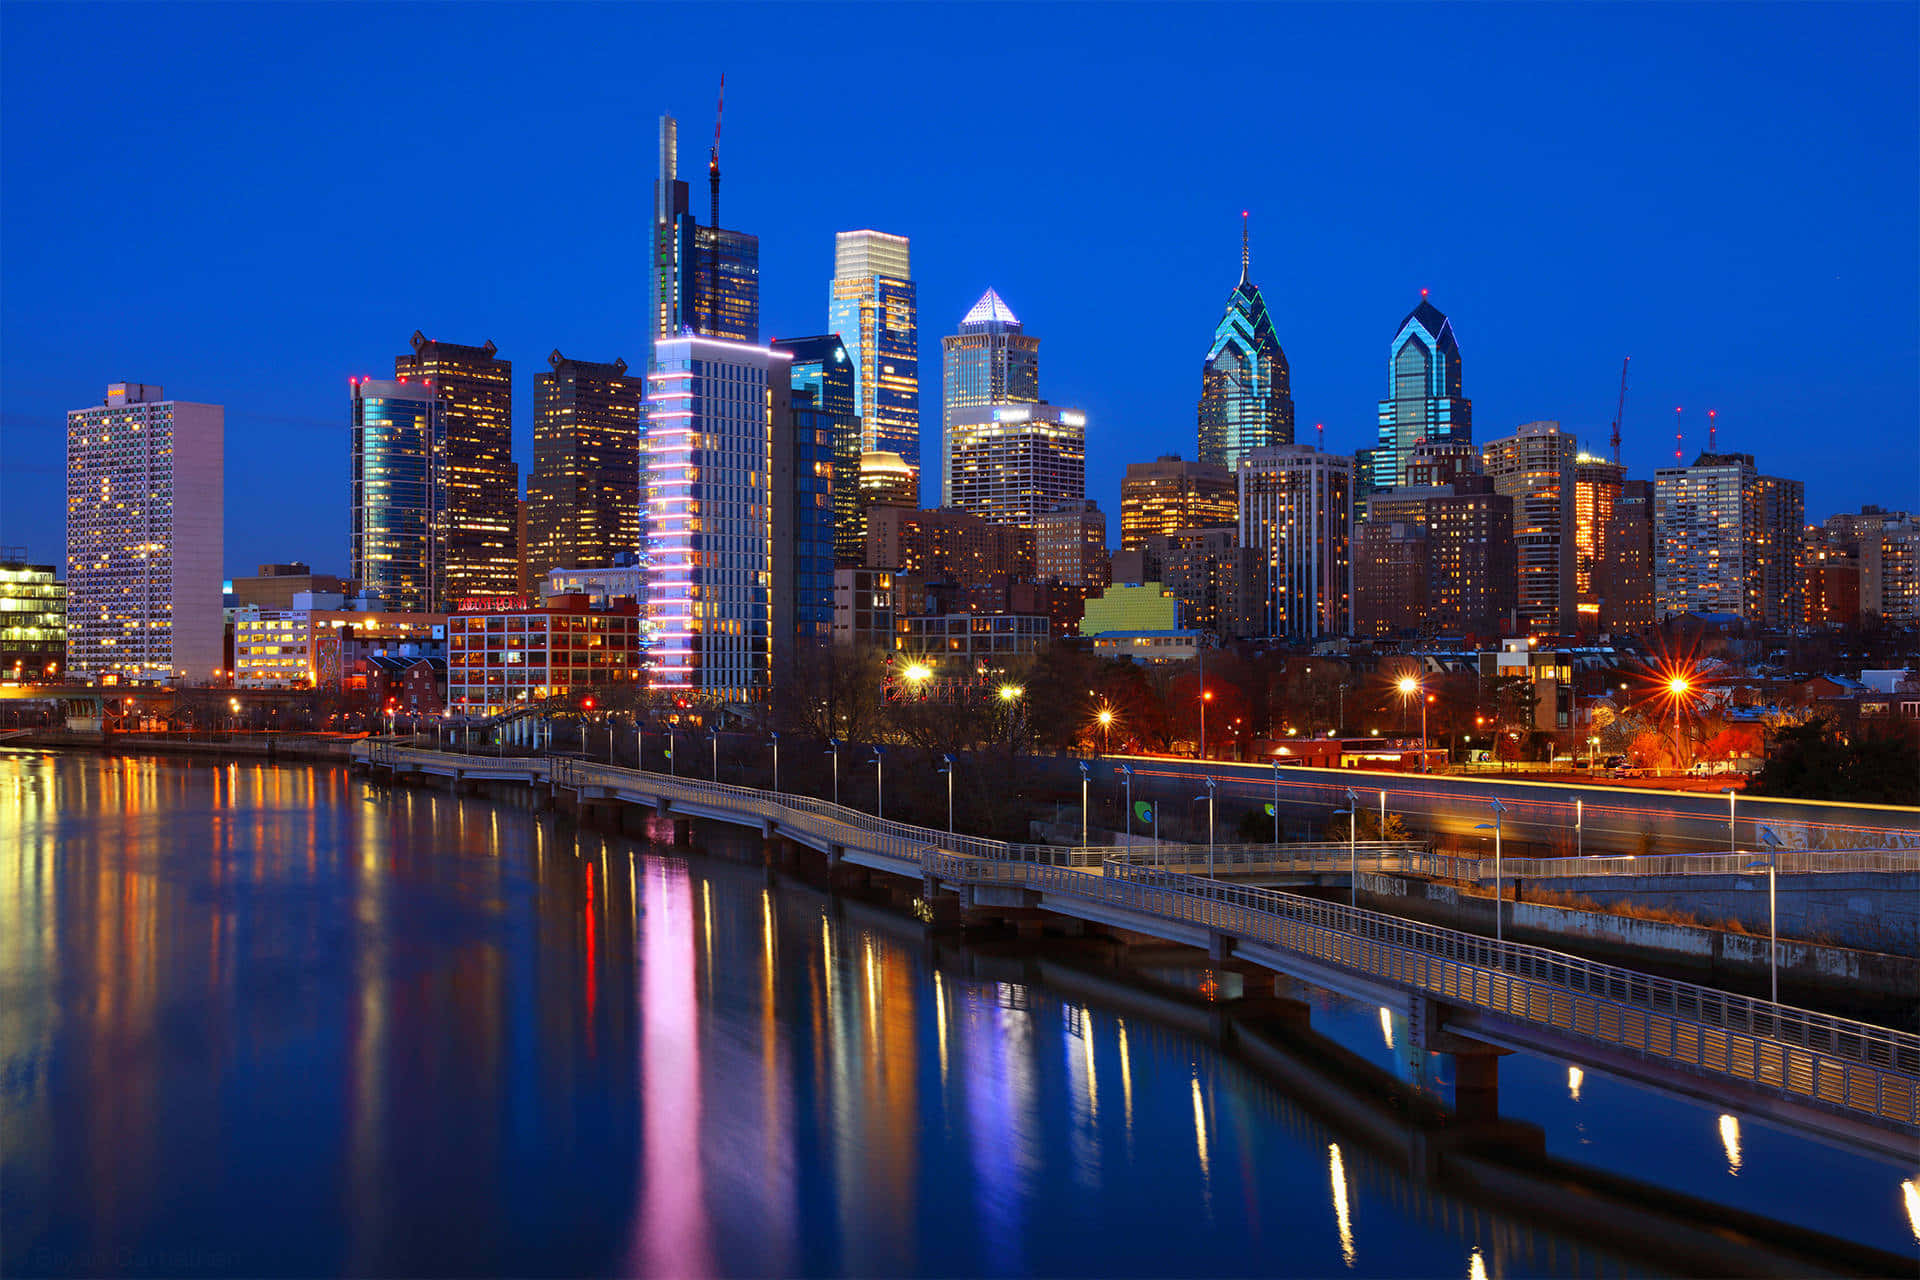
point(272, 1021)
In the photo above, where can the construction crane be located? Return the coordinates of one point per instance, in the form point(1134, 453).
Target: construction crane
point(713, 214)
point(1620, 410)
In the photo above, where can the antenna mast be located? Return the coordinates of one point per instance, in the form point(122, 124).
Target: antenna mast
point(1676, 435)
point(713, 217)
point(1713, 440)
point(1620, 410)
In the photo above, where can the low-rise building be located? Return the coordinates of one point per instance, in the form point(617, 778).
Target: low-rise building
point(624, 579)
point(33, 619)
point(502, 659)
point(314, 644)
point(980, 638)
point(1549, 671)
point(404, 684)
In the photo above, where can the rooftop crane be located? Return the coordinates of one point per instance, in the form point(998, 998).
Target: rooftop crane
point(713, 234)
point(1620, 410)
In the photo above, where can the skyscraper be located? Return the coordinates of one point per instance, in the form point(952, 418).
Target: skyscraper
point(1535, 467)
point(1296, 511)
point(583, 496)
point(398, 482)
point(1623, 579)
point(823, 377)
point(719, 434)
point(873, 306)
point(1246, 397)
point(1070, 544)
point(991, 360)
point(1167, 495)
point(480, 542)
point(1596, 491)
point(704, 279)
point(145, 506)
point(1728, 540)
point(1424, 400)
point(1013, 461)
point(1461, 533)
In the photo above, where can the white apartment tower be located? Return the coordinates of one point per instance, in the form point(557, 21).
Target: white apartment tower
point(1723, 541)
point(1296, 513)
point(1013, 461)
point(144, 531)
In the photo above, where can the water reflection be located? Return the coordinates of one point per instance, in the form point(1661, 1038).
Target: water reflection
point(276, 1021)
point(1730, 1142)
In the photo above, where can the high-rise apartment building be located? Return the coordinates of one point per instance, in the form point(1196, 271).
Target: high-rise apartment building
point(1596, 490)
point(1831, 576)
point(1167, 495)
point(947, 545)
point(990, 360)
point(823, 377)
point(1012, 462)
point(821, 456)
point(1623, 577)
point(398, 495)
point(145, 506)
point(1535, 467)
point(1296, 511)
point(1246, 396)
point(1890, 573)
point(1728, 540)
point(704, 279)
point(874, 307)
point(583, 497)
point(719, 425)
point(1221, 584)
point(481, 540)
point(1424, 400)
point(1462, 533)
point(1391, 572)
point(1070, 544)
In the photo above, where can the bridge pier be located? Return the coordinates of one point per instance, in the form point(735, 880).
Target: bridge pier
point(682, 832)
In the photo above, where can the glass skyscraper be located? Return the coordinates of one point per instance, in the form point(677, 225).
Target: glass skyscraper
point(1424, 401)
point(1246, 396)
point(480, 539)
point(399, 495)
point(990, 361)
point(823, 380)
point(873, 305)
point(686, 255)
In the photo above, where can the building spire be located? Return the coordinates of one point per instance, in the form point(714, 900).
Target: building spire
point(1246, 256)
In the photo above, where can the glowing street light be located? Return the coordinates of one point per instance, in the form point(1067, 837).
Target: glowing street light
point(1411, 687)
point(1105, 718)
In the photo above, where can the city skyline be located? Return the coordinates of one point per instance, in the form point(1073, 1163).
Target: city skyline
point(1637, 252)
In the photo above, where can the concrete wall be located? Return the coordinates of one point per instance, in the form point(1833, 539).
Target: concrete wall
point(1877, 911)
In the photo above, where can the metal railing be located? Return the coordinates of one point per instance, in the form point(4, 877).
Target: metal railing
point(1789, 862)
point(1848, 1065)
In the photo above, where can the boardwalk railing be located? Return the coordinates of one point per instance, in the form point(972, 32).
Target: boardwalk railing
point(1845, 1065)
point(1794, 862)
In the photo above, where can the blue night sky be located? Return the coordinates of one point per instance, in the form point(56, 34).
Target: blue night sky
point(249, 203)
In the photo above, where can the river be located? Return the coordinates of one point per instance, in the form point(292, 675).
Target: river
point(260, 1020)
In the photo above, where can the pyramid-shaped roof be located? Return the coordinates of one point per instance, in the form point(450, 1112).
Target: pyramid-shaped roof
point(990, 310)
point(1435, 322)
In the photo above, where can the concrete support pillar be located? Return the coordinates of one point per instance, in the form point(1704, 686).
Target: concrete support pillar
point(682, 832)
point(1476, 1086)
point(1219, 946)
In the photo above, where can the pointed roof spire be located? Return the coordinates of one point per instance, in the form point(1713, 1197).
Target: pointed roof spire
point(1246, 255)
point(990, 309)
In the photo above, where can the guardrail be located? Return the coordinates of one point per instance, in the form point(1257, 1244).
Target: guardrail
point(1787, 862)
point(1839, 1062)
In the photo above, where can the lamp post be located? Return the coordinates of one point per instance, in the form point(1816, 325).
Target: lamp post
point(1579, 825)
point(833, 749)
point(1083, 804)
point(1499, 811)
point(1771, 839)
point(1382, 832)
point(1353, 846)
point(1209, 799)
point(1206, 696)
point(716, 753)
point(774, 734)
point(673, 765)
point(1106, 730)
point(1276, 801)
point(1126, 774)
point(947, 769)
point(1678, 688)
point(1593, 745)
point(1411, 687)
point(1733, 829)
point(879, 784)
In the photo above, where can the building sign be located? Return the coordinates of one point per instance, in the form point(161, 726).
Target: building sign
point(492, 604)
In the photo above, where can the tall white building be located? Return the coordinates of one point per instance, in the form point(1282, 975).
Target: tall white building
point(1296, 513)
point(1724, 541)
point(719, 464)
point(991, 360)
point(1013, 461)
point(145, 507)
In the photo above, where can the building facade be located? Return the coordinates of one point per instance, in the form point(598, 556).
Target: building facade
point(1391, 572)
point(990, 360)
point(1728, 540)
point(298, 648)
point(275, 585)
point(1296, 511)
point(480, 538)
point(1596, 490)
point(886, 480)
point(823, 379)
point(970, 640)
point(33, 619)
point(1070, 544)
point(583, 495)
point(1535, 467)
point(1462, 533)
point(1246, 386)
point(1890, 573)
point(1623, 578)
point(1219, 583)
point(702, 280)
point(1424, 401)
point(145, 520)
point(947, 544)
point(873, 305)
point(1162, 497)
point(502, 659)
point(398, 495)
point(1011, 462)
point(718, 417)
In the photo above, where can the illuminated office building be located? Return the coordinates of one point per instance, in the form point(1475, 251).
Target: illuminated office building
point(583, 496)
point(873, 306)
point(886, 480)
point(702, 279)
point(1535, 467)
point(480, 541)
point(1728, 540)
point(1296, 511)
point(1424, 401)
point(503, 657)
point(1623, 578)
point(990, 360)
point(33, 619)
point(145, 504)
point(1070, 544)
point(397, 479)
point(1011, 462)
point(1246, 398)
point(1596, 490)
point(820, 458)
point(719, 433)
point(823, 376)
point(1162, 497)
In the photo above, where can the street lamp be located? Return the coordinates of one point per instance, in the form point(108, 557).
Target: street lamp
point(1126, 774)
point(1771, 839)
point(1206, 696)
point(1276, 800)
point(1353, 846)
point(774, 734)
point(1593, 745)
point(1678, 689)
point(833, 749)
point(879, 784)
point(1105, 717)
point(1733, 837)
point(715, 738)
point(1579, 825)
point(1499, 812)
point(1209, 799)
point(1408, 688)
point(947, 769)
point(1083, 804)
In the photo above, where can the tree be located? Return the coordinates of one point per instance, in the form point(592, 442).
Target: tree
point(1810, 762)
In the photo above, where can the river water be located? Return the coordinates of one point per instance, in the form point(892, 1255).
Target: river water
point(261, 1020)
